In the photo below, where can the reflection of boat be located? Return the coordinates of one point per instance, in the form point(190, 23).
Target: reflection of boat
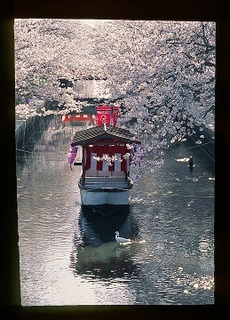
point(105, 261)
point(97, 254)
point(96, 229)
point(106, 157)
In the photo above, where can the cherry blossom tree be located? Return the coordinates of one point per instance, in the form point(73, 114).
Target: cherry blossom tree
point(162, 67)
point(46, 50)
point(162, 73)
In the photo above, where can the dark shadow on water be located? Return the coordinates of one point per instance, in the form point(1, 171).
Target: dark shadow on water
point(96, 254)
point(97, 229)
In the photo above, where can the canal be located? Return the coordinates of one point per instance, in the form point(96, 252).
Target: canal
point(68, 257)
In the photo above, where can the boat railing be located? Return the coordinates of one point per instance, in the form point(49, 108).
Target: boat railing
point(116, 182)
point(103, 178)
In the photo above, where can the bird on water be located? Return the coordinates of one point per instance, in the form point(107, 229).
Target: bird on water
point(121, 239)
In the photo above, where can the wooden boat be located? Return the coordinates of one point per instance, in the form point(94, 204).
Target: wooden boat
point(106, 157)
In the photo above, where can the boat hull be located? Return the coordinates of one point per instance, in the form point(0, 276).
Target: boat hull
point(101, 196)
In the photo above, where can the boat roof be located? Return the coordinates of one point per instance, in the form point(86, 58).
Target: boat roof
point(104, 133)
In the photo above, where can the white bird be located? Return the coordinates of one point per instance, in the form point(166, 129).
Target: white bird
point(121, 239)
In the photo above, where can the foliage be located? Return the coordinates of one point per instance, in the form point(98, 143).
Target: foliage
point(162, 73)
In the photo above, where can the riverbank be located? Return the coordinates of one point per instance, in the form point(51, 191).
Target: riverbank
point(25, 130)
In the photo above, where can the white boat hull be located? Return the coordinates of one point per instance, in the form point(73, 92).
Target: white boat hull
point(103, 196)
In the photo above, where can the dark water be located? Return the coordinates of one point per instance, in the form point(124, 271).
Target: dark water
point(68, 257)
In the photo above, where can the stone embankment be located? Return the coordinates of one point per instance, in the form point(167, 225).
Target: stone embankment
point(25, 131)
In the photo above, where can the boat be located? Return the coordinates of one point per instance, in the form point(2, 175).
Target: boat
point(107, 152)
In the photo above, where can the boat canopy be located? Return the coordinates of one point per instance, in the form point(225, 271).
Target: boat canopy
point(103, 135)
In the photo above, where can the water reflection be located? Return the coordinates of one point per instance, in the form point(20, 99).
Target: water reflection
point(97, 229)
point(96, 253)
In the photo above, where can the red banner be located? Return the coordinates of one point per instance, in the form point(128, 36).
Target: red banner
point(107, 114)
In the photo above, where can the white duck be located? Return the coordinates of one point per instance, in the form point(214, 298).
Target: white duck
point(121, 239)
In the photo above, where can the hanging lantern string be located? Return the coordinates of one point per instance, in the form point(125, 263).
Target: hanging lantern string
point(113, 158)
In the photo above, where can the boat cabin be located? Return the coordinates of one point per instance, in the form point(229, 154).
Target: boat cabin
point(106, 155)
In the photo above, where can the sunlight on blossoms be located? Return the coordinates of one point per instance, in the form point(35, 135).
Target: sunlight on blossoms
point(160, 73)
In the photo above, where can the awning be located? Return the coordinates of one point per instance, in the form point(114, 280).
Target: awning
point(103, 134)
